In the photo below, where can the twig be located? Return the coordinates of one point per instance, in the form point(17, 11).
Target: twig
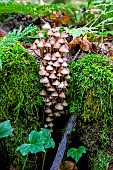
point(62, 145)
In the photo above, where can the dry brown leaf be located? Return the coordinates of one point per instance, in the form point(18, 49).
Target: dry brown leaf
point(85, 45)
point(67, 165)
point(60, 18)
point(3, 33)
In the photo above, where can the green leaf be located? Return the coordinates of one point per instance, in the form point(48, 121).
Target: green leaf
point(5, 129)
point(24, 149)
point(35, 137)
point(76, 153)
point(46, 137)
point(0, 63)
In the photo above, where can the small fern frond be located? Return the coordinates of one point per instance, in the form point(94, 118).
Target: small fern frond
point(17, 35)
point(77, 32)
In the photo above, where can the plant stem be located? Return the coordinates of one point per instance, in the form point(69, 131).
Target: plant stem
point(25, 162)
point(44, 160)
point(75, 168)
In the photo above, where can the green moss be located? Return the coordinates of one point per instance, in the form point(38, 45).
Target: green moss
point(90, 92)
point(34, 9)
point(20, 99)
point(101, 161)
point(90, 96)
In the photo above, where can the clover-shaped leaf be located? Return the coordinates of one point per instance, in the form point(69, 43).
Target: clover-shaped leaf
point(76, 153)
point(5, 129)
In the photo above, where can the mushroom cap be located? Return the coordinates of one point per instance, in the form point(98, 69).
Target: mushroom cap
point(64, 103)
point(54, 57)
point(51, 88)
point(64, 71)
point(48, 110)
point(64, 35)
point(65, 59)
point(67, 76)
point(46, 100)
point(42, 67)
point(59, 75)
point(36, 41)
point(51, 97)
point(52, 76)
point(60, 60)
point(43, 93)
point(56, 29)
point(56, 64)
point(57, 54)
point(40, 34)
point(47, 84)
point(47, 74)
point(49, 68)
point(47, 44)
point(50, 63)
point(64, 64)
point(57, 114)
point(59, 106)
point(33, 47)
point(46, 126)
point(46, 26)
point(57, 45)
point(52, 41)
point(48, 103)
point(63, 49)
point(57, 34)
point(47, 57)
point(42, 72)
point(65, 83)
point(56, 83)
point(44, 80)
point(50, 32)
point(62, 95)
point(61, 41)
point(61, 85)
point(50, 114)
point(48, 119)
point(50, 124)
point(55, 94)
point(40, 44)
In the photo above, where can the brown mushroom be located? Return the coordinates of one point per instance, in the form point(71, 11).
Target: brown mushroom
point(42, 72)
point(62, 95)
point(56, 83)
point(48, 110)
point(59, 106)
point(44, 80)
point(49, 68)
point(46, 26)
point(52, 76)
point(43, 93)
point(51, 89)
point(55, 94)
point(48, 119)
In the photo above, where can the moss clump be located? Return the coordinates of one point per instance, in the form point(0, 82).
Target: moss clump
point(20, 99)
point(90, 96)
point(91, 88)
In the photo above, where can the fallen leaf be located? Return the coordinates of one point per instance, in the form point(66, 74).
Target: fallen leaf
point(67, 165)
point(3, 33)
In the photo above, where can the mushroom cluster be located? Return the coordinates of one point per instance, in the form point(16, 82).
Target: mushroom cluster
point(53, 69)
